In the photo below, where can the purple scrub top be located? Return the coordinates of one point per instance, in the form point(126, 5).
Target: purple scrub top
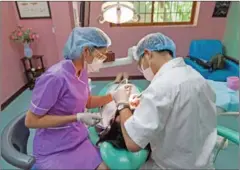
point(60, 92)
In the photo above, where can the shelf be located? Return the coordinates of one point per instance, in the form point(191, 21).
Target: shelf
point(37, 72)
point(33, 57)
point(29, 64)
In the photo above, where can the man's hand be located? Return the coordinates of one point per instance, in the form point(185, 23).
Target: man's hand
point(122, 94)
point(134, 101)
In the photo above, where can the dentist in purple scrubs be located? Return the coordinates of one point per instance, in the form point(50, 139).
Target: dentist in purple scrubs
point(58, 102)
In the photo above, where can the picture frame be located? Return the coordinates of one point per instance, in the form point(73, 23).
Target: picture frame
point(33, 9)
point(221, 9)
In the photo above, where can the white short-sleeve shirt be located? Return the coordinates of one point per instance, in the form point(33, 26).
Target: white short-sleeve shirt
point(177, 116)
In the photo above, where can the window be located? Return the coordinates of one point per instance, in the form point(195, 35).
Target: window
point(163, 13)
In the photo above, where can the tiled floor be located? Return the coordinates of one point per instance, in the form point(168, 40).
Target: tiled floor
point(227, 159)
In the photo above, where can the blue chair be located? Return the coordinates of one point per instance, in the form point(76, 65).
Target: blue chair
point(204, 50)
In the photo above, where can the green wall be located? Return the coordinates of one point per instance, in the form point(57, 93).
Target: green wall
point(232, 33)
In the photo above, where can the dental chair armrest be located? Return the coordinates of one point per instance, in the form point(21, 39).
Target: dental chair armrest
point(9, 152)
point(236, 61)
point(16, 158)
point(231, 65)
point(229, 134)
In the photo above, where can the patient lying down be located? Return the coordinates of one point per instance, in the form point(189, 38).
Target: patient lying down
point(112, 133)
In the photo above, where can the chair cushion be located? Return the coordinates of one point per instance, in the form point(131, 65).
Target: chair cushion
point(205, 49)
point(118, 158)
point(204, 72)
point(121, 158)
point(221, 75)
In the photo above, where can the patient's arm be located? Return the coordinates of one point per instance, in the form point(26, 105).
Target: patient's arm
point(98, 101)
point(125, 75)
point(118, 78)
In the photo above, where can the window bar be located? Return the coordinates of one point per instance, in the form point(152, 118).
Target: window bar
point(139, 7)
point(194, 4)
point(176, 11)
point(171, 11)
point(152, 14)
point(145, 12)
point(158, 11)
point(164, 13)
point(177, 19)
point(180, 14)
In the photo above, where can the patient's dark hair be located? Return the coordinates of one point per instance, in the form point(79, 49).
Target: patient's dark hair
point(115, 137)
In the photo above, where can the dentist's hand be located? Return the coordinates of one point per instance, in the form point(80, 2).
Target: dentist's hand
point(90, 119)
point(122, 94)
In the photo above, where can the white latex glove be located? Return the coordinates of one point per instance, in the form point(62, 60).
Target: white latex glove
point(90, 119)
point(122, 94)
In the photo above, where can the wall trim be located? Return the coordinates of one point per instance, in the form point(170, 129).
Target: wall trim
point(13, 97)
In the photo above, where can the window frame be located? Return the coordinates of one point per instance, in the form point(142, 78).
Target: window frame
point(191, 22)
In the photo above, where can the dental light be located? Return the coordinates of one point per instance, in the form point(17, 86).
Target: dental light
point(121, 61)
point(118, 12)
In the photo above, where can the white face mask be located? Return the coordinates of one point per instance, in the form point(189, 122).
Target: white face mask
point(148, 74)
point(95, 65)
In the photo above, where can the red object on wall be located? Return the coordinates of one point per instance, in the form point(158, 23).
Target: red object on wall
point(110, 56)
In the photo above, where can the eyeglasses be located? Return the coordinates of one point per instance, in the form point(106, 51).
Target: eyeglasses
point(100, 55)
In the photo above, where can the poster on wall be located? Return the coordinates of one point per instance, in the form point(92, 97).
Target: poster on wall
point(33, 10)
point(221, 9)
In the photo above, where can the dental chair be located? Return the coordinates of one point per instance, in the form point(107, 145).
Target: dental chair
point(14, 139)
point(201, 51)
point(113, 157)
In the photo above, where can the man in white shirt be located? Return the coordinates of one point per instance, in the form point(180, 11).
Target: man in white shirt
point(176, 114)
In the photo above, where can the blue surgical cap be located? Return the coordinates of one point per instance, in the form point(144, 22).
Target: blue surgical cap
point(82, 37)
point(154, 42)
